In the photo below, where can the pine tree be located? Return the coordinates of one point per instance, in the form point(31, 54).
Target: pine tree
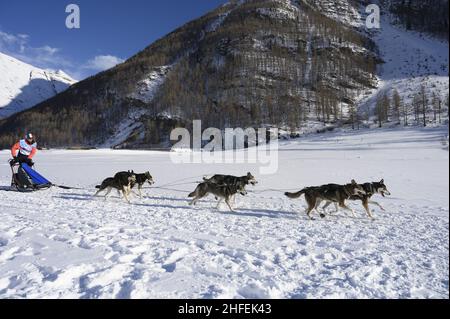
point(437, 108)
point(423, 103)
point(416, 106)
point(447, 102)
point(378, 112)
point(405, 114)
point(436, 104)
point(352, 111)
point(397, 105)
point(382, 105)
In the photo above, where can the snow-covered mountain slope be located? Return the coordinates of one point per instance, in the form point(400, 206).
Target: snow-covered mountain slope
point(412, 59)
point(23, 86)
point(66, 244)
point(344, 11)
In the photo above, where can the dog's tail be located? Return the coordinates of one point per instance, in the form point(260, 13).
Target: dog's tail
point(295, 195)
point(194, 193)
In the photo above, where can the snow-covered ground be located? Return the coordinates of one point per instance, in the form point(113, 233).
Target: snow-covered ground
point(23, 86)
point(66, 244)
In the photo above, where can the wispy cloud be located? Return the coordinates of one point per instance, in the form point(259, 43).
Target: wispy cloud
point(95, 65)
point(48, 57)
point(102, 62)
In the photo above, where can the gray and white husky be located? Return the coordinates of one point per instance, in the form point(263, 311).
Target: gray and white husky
point(122, 184)
point(331, 193)
point(232, 180)
point(229, 180)
point(370, 189)
point(221, 192)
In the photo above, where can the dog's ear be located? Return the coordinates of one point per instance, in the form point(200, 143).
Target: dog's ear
point(354, 182)
point(249, 174)
point(382, 181)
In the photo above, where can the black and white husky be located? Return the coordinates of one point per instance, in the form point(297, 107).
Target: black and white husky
point(232, 180)
point(141, 179)
point(221, 192)
point(122, 184)
point(370, 189)
point(331, 193)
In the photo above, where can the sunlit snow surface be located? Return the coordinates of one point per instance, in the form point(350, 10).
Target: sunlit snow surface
point(67, 244)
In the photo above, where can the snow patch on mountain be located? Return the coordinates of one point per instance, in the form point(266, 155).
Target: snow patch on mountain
point(215, 24)
point(412, 59)
point(22, 85)
point(344, 11)
point(126, 128)
point(288, 11)
point(147, 88)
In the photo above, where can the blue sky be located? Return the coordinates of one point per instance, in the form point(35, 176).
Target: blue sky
point(111, 30)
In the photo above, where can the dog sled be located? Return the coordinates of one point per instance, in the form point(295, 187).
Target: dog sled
point(25, 179)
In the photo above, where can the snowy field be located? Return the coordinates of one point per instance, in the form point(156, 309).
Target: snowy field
point(66, 244)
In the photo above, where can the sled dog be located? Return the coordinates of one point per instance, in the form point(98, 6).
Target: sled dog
point(331, 193)
point(222, 192)
point(370, 189)
point(121, 184)
point(141, 179)
point(232, 180)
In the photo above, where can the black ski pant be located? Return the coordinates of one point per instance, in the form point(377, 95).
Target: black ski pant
point(20, 158)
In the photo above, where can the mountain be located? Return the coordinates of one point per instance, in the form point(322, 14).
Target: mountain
point(22, 86)
point(247, 63)
point(411, 62)
point(294, 64)
point(429, 16)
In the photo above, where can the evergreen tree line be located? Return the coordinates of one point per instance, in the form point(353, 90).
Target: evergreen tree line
point(423, 15)
point(424, 109)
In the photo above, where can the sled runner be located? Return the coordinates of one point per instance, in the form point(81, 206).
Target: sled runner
point(26, 179)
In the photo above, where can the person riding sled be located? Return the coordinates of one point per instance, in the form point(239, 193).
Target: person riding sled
point(24, 177)
point(24, 150)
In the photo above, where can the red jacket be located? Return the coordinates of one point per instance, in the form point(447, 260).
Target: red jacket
point(24, 148)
